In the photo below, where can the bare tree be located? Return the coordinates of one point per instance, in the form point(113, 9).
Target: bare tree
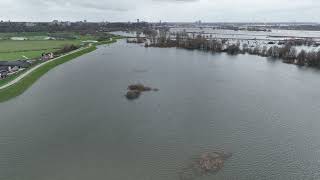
point(264, 51)
point(311, 59)
point(301, 58)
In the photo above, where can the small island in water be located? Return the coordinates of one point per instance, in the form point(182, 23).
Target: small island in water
point(135, 90)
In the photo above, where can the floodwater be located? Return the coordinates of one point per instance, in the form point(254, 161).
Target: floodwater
point(75, 123)
point(275, 34)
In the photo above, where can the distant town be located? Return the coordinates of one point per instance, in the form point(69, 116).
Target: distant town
point(56, 25)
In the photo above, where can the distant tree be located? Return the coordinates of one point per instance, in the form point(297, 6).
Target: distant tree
point(311, 59)
point(318, 58)
point(273, 52)
point(233, 49)
point(291, 57)
point(284, 51)
point(256, 50)
point(270, 52)
point(217, 46)
point(301, 58)
point(264, 51)
point(178, 39)
point(245, 47)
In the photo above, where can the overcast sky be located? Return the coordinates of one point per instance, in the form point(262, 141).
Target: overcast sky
point(165, 10)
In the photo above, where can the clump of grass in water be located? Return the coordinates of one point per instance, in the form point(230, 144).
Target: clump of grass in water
point(135, 91)
point(206, 164)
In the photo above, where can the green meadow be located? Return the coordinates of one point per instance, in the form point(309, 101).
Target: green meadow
point(36, 44)
point(14, 50)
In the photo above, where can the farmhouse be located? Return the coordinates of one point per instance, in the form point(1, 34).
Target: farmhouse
point(3, 72)
point(47, 56)
point(12, 66)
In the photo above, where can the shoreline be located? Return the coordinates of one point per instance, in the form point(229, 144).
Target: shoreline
point(22, 82)
point(25, 73)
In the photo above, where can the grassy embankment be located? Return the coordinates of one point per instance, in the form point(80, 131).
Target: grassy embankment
point(21, 86)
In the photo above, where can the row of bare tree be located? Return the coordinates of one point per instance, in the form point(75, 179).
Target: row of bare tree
point(287, 52)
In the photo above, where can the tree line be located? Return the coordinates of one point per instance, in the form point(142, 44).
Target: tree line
point(9, 27)
point(287, 51)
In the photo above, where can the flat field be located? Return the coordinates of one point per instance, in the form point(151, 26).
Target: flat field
point(35, 44)
point(13, 50)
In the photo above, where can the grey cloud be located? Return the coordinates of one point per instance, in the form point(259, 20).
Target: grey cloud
point(176, 0)
point(93, 4)
point(166, 10)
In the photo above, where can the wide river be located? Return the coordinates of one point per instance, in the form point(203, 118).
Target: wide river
point(75, 123)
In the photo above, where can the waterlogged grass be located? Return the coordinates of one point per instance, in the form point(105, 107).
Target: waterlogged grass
point(18, 88)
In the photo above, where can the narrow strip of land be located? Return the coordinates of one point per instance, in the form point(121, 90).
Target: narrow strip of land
point(19, 78)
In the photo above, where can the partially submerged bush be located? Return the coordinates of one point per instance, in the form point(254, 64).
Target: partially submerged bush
point(139, 87)
point(131, 95)
point(135, 91)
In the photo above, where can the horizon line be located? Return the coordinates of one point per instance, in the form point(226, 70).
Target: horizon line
point(202, 22)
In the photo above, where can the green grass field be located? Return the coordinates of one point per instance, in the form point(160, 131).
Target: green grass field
point(13, 50)
point(36, 43)
point(42, 35)
point(19, 55)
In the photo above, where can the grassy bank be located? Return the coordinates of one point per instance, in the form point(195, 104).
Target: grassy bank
point(21, 86)
point(26, 82)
